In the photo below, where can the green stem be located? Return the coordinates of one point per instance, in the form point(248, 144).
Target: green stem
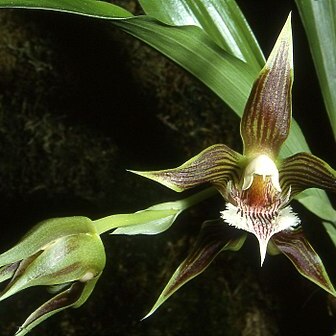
point(159, 210)
point(196, 198)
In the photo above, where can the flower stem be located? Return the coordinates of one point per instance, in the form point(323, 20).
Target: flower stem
point(141, 217)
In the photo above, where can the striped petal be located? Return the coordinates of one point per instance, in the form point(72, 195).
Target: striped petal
point(294, 245)
point(303, 170)
point(214, 238)
point(217, 165)
point(74, 296)
point(266, 119)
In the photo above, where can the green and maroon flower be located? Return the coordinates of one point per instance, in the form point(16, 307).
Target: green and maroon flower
point(257, 185)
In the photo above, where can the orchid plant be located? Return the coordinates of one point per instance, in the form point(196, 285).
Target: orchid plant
point(67, 254)
point(257, 186)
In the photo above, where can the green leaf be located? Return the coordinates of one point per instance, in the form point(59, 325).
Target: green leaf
point(97, 9)
point(319, 21)
point(294, 245)
point(222, 20)
point(189, 46)
point(314, 200)
point(214, 237)
point(216, 164)
point(331, 230)
point(153, 220)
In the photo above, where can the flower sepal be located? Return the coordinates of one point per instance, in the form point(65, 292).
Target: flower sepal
point(213, 238)
point(294, 245)
point(216, 165)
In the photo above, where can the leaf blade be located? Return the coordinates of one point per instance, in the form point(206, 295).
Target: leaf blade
point(221, 20)
point(319, 21)
point(97, 9)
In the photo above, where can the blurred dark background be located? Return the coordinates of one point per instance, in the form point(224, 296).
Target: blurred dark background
point(81, 102)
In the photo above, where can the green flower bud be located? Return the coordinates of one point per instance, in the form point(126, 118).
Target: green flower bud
point(65, 253)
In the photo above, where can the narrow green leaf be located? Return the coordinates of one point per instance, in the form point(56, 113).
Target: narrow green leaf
point(294, 245)
point(191, 48)
point(266, 119)
point(216, 164)
point(331, 230)
point(315, 200)
point(213, 238)
point(222, 20)
point(319, 21)
point(93, 8)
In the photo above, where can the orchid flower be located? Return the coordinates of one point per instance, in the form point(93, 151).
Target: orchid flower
point(257, 185)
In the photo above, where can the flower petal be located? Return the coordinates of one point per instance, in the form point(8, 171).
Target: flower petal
point(294, 245)
point(73, 296)
point(263, 223)
point(217, 164)
point(213, 238)
point(7, 271)
point(303, 170)
point(266, 119)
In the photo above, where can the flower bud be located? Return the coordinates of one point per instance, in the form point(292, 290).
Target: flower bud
point(65, 253)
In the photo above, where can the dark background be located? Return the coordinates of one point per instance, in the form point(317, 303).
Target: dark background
point(81, 102)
